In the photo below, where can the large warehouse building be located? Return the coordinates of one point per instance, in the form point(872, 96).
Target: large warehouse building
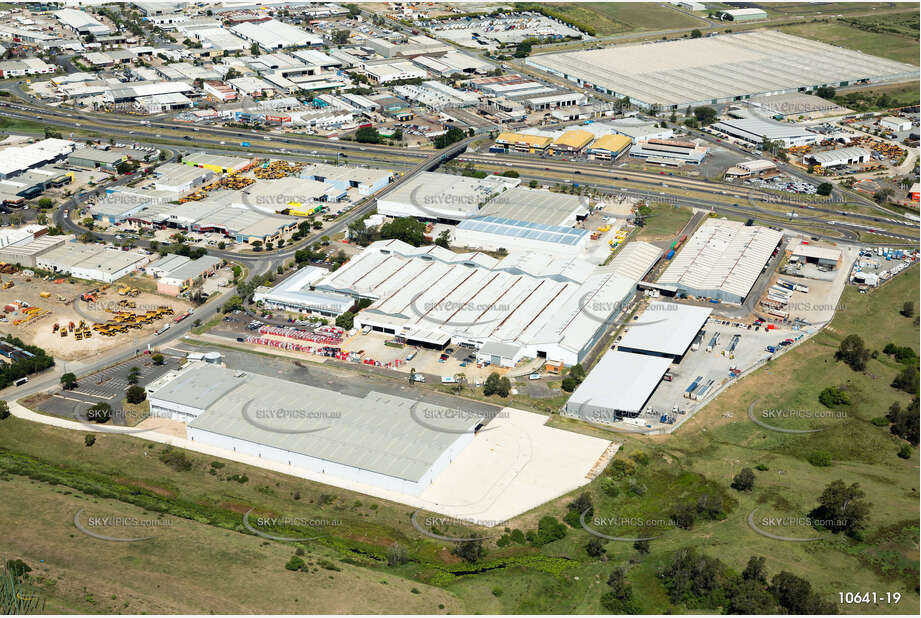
point(665, 330)
point(618, 386)
point(92, 261)
point(722, 260)
point(295, 294)
point(540, 305)
point(380, 440)
point(720, 69)
point(442, 197)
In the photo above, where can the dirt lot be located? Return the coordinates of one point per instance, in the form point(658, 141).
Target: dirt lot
point(38, 331)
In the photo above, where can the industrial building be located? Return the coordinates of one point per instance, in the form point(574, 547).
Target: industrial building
point(524, 142)
point(635, 259)
point(490, 233)
point(796, 104)
point(219, 164)
point(669, 152)
point(544, 306)
point(839, 157)
point(177, 273)
point(386, 72)
point(618, 386)
point(272, 34)
point(97, 158)
point(93, 262)
point(181, 179)
point(573, 140)
point(755, 130)
point(719, 69)
point(376, 439)
point(23, 245)
point(442, 197)
point(743, 15)
point(536, 206)
point(295, 294)
point(609, 147)
point(366, 180)
point(81, 22)
point(721, 260)
point(665, 330)
point(893, 123)
point(15, 160)
point(827, 257)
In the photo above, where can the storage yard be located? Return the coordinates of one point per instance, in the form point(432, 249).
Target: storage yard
point(70, 328)
point(719, 69)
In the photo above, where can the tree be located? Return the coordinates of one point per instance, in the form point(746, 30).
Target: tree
point(641, 546)
point(346, 320)
point(4, 410)
point(68, 381)
point(750, 597)
point(340, 37)
point(359, 233)
point(825, 92)
point(794, 595)
point(45, 202)
point(595, 548)
point(89, 440)
point(705, 115)
point(907, 380)
point(158, 359)
point(853, 352)
point(470, 550)
point(396, 555)
point(504, 387)
point(523, 49)
point(569, 384)
point(257, 245)
point(619, 597)
point(367, 135)
point(696, 34)
point(135, 394)
point(443, 239)
point(100, 412)
point(446, 139)
point(908, 309)
point(744, 480)
point(825, 189)
point(842, 508)
point(407, 229)
point(490, 386)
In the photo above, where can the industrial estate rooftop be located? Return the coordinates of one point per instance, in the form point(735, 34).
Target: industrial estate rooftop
point(665, 329)
point(719, 69)
point(378, 433)
point(722, 260)
point(636, 377)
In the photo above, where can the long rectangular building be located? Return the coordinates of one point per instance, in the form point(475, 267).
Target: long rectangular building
point(722, 260)
point(720, 69)
point(380, 440)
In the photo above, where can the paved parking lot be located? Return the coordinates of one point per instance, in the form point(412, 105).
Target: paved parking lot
point(107, 386)
point(713, 365)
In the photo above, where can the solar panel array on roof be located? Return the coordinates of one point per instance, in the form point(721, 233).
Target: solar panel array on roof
point(524, 229)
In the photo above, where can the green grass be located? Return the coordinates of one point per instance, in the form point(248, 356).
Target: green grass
point(616, 18)
point(664, 222)
point(884, 44)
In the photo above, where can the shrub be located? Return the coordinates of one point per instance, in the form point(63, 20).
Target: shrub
point(176, 459)
point(820, 459)
point(744, 480)
point(905, 451)
point(89, 440)
point(295, 564)
point(135, 394)
point(833, 396)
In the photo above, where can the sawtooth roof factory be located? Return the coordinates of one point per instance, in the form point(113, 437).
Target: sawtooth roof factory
point(720, 69)
point(536, 304)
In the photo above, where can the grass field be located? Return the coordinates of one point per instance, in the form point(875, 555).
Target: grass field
point(664, 222)
point(884, 44)
point(616, 18)
point(52, 475)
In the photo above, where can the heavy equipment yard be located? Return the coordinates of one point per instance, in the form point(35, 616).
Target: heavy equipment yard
point(76, 320)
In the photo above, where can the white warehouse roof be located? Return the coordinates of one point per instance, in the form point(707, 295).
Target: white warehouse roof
point(665, 328)
point(620, 382)
point(722, 257)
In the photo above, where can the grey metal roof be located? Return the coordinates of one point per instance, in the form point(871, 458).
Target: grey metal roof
point(381, 433)
point(620, 381)
point(665, 328)
point(524, 229)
